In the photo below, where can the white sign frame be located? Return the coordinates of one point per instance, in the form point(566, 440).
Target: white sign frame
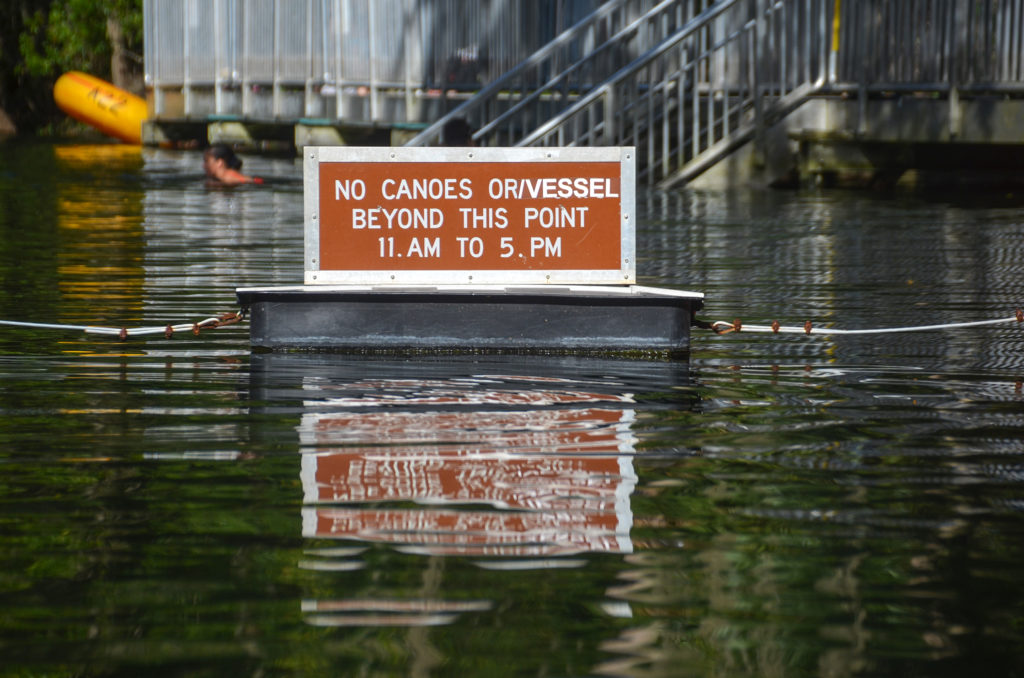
point(625, 274)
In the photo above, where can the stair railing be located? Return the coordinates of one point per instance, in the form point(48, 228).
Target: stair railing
point(554, 76)
point(713, 85)
point(710, 77)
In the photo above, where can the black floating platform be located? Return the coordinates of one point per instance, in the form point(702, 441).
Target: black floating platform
point(623, 319)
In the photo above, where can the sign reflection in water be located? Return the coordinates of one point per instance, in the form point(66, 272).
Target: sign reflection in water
point(509, 471)
point(541, 496)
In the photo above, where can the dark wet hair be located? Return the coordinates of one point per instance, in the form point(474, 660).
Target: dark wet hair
point(224, 152)
point(457, 132)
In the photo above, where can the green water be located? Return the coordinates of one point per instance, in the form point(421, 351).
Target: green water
point(776, 506)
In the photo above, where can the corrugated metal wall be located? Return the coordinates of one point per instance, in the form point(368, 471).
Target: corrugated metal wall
point(354, 60)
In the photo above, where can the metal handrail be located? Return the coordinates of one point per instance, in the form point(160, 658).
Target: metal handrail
point(628, 30)
point(506, 85)
point(689, 126)
point(629, 69)
point(670, 84)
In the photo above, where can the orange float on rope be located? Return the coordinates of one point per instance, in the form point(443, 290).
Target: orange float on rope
point(96, 102)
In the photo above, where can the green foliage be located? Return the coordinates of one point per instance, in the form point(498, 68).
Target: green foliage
point(73, 35)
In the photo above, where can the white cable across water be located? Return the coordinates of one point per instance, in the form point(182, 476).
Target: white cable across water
point(125, 332)
point(718, 326)
point(724, 327)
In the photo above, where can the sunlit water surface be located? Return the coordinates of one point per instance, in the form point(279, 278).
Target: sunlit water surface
point(777, 506)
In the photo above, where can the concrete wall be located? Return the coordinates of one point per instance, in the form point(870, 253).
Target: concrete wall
point(831, 139)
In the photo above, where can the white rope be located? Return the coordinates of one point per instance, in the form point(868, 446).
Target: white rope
point(125, 332)
point(724, 327)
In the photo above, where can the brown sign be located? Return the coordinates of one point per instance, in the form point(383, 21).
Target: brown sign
point(463, 218)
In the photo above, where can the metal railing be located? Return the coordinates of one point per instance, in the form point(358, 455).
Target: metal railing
point(712, 76)
point(714, 84)
point(685, 81)
point(720, 74)
point(355, 61)
point(557, 74)
point(929, 45)
point(948, 49)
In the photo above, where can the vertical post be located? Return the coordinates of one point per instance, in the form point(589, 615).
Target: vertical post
point(218, 47)
point(727, 76)
point(666, 126)
point(339, 75)
point(717, 87)
point(373, 59)
point(780, 20)
point(610, 136)
point(744, 58)
point(700, 68)
point(684, 61)
point(152, 56)
point(758, 59)
point(830, 49)
point(308, 105)
point(276, 20)
point(246, 61)
point(1002, 33)
point(652, 89)
point(412, 58)
point(236, 11)
point(325, 45)
point(805, 32)
point(186, 77)
point(955, 120)
point(862, 54)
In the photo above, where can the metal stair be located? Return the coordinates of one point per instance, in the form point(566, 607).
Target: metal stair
point(700, 79)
